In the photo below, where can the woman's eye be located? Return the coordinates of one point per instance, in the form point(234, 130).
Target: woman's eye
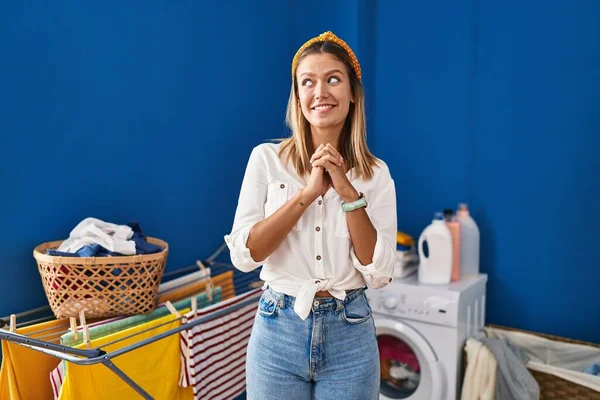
point(306, 82)
point(334, 79)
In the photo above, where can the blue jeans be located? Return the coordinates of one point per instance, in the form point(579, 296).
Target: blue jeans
point(332, 354)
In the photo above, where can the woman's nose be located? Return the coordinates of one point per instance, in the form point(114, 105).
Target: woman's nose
point(321, 91)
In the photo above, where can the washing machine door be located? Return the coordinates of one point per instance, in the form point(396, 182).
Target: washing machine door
point(409, 366)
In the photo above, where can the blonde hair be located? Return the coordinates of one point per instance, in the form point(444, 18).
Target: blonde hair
point(352, 143)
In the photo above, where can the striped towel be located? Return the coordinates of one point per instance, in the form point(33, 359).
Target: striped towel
point(57, 377)
point(214, 353)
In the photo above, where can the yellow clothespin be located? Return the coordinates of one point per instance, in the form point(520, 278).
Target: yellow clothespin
point(86, 332)
point(13, 323)
point(73, 321)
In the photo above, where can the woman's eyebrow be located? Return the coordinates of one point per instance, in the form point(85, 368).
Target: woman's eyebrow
point(327, 73)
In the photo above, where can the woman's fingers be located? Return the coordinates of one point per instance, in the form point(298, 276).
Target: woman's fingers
point(325, 150)
point(328, 162)
point(333, 151)
point(317, 151)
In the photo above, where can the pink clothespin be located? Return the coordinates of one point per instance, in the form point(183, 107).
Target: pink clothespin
point(13, 323)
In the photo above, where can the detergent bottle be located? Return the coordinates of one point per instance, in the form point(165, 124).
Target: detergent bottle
point(469, 242)
point(454, 227)
point(436, 267)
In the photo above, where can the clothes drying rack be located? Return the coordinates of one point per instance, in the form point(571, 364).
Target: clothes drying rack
point(242, 282)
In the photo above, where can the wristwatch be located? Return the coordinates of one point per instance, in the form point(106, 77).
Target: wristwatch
point(361, 202)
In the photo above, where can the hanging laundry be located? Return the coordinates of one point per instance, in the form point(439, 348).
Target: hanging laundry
point(224, 280)
point(24, 372)
point(113, 325)
point(95, 238)
point(215, 366)
point(96, 382)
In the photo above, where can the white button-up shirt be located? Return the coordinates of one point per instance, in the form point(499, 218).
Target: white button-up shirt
point(317, 254)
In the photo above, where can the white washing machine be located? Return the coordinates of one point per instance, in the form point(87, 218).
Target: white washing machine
point(421, 332)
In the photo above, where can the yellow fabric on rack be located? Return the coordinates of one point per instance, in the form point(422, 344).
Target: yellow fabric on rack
point(155, 367)
point(25, 372)
point(224, 280)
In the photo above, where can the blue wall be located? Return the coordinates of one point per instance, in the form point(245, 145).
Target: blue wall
point(148, 112)
point(497, 105)
point(131, 111)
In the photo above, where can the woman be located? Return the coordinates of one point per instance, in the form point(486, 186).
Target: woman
point(318, 211)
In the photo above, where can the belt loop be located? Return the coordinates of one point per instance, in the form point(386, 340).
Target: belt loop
point(281, 300)
point(339, 306)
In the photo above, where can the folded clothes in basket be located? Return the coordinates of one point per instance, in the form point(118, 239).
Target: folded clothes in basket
point(496, 370)
point(95, 238)
point(593, 369)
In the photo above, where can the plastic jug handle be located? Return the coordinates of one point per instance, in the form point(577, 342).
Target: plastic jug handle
point(421, 253)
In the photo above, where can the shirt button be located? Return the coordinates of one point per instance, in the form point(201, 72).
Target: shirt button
point(282, 186)
point(316, 303)
point(317, 229)
point(320, 202)
point(318, 258)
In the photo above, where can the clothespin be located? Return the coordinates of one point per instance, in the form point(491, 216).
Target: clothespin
point(73, 321)
point(86, 332)
point(209, 292)
point(256, 285)
point(172, 309)
point(13, 323)
point(194, 305)
point(203, 268)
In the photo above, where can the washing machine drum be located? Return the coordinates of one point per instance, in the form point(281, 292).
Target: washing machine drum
point(400, 372)
point(409, 368)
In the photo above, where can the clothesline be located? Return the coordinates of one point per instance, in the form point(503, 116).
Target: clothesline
point(245, 285)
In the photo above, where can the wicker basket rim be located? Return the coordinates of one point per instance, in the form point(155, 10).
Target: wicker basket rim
point(40, 255)
point(545, 335)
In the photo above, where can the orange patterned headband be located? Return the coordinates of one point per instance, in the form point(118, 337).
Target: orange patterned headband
point(328, 37)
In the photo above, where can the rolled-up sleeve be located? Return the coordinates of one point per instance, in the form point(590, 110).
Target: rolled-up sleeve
point(249, 211)
point(382, 212)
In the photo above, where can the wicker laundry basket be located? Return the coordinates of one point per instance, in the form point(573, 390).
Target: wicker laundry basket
point(551, 386)
point(101, 286)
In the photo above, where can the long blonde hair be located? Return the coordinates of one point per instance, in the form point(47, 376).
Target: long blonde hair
point(353, 138)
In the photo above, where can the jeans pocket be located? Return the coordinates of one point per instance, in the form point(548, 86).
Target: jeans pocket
point(357, 311)
point(267, 307)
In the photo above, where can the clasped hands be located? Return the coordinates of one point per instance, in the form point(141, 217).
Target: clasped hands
point(329, 170)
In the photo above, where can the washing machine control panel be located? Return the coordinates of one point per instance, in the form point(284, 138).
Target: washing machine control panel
point(421, 307)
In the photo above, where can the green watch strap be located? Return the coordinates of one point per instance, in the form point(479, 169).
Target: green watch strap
point(361, 202)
